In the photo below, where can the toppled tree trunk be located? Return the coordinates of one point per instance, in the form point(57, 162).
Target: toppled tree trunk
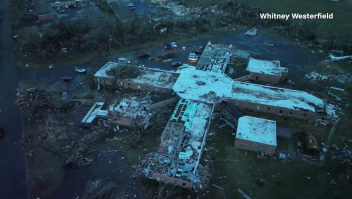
point(81, 151)
point(333, 58)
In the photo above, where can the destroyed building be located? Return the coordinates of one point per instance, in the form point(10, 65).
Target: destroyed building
point(214, 58)
point(266, 71)
point(199, 90)
point(256, 134)
point(137, 109)
point(181, 146)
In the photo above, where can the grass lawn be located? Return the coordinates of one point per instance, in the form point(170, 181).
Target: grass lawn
point(340, 25)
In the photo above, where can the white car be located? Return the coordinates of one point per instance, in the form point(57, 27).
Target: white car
point(80, 70)
point(173, 44)
point(193, 57)
point(123, 60)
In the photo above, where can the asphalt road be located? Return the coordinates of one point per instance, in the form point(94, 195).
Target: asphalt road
point(291, 56)
point(12, 166)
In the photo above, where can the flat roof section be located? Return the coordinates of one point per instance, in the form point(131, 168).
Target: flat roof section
point(155, 77)
point(265, 67)
point(257, 130)
point(102, 71)
point(204, 86)
point(275, 96)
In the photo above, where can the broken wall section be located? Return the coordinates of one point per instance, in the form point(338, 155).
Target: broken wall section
point(182, 143)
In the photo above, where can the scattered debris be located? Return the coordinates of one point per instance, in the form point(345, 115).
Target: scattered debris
point(284, 156)
point(343, 78)
point(242, 54)
point(218, 187)
point(251, 32)
point(243, 194)
point(267, 44)
point(260, 183)
point(314, 76)
point(339, 89)
point(337, 51)
point(333, 58)
point(227, 124)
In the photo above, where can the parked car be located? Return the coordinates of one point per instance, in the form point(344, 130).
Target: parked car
point(197, 52)
point(1, 132)
point(144, 55)
point(173, 44)
point(123, 60)
point(166, 47)
point(80, 70)
point(66, 79)
point(193, 57)
point(176, 64)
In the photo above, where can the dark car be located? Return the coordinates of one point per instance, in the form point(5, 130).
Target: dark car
point(176, 64)
point(166, 47)
point(197, 52)
point(144, 55)
point(1, 132)
point(66, 79)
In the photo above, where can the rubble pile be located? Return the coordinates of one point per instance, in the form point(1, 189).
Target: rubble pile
point(341, 77)
point(343, 153)
point(158, 164)
point(315, 76)
point(134, 108)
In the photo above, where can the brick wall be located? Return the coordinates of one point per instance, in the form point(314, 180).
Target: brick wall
point(284, 75)
point(104, 80)
point(254, 146)
point(171, 180)
point(242, 79)
point(163, 103)
point(265, 78)
point(274, 110)
point(45, 17)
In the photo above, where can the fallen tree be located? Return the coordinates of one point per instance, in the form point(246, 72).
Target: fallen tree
point(81, 152)
point(104, 189)
point(39, 100)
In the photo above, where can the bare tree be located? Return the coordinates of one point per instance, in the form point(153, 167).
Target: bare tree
point(124, 71)
point(157, 120)
point(81, 151)
point(53, 130)
point(44, 96)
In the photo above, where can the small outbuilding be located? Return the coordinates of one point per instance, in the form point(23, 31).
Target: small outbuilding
point(256, 134)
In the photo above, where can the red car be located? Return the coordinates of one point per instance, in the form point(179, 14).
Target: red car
point(66, 79)
point(144, 55)
point(1, 132)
